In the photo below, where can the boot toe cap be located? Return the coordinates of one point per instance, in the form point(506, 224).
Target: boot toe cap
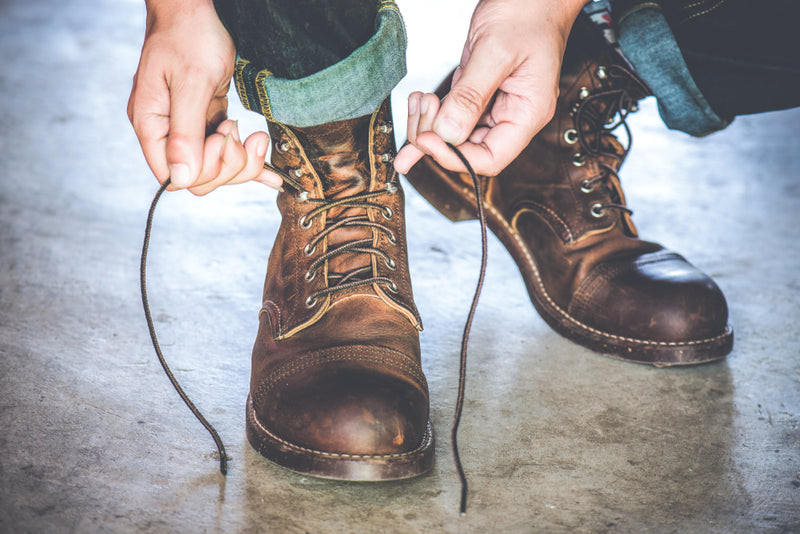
point(345, 407)
point(657, 297)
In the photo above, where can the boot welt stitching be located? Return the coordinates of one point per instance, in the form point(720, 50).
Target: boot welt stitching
point(270, 308)
point(529, 205)
point(424, 443)
point(532, 263)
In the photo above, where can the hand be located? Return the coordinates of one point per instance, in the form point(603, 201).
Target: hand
point(178, 102)
point(504, 91)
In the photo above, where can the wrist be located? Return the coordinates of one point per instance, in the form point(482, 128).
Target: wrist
point(168, 12)
point(569, 11)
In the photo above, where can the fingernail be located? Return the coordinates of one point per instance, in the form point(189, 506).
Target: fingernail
point(448, 130)
point(179, 175)
point(423, 106)
point(235, 130)
point(261, 148)
point(413, 104)
point(224, 144)
point(271, 180)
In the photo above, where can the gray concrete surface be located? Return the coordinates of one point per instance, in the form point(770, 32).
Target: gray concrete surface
point(554, 438)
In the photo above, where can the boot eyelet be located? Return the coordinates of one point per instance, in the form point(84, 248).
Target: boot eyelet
point(586, 187)
point(311, 301)
point(385, 128)
point(305, 223)
point(387, 212)
point(385, 158)
point(393, 287)
point(597, 210)
point(571, 136)
point(282, 146)
point(634, 108)
point(391, 238)
point(584, 93)
point(308, 250)
point(303, 196)
point(391, 264)
point(298, 172)
point(601, 72)
point(391, 188)
point(577, 159)
point(309, 276)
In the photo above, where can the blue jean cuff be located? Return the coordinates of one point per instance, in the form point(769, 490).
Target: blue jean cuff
point(351, 88)
point(649, 44)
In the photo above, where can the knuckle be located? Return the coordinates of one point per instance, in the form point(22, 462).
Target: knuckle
point(468, 98)
point(494, 169)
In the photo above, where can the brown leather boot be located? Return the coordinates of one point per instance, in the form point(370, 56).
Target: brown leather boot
point(337, 390)
point(560, 210)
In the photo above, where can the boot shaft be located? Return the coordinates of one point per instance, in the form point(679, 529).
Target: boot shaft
point(569, 170)
point(343, 230)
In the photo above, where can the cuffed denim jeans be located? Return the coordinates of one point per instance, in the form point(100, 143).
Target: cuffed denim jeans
point(309, 62)
point(348, 84)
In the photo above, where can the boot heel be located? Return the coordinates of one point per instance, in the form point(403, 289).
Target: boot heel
point(437, 187)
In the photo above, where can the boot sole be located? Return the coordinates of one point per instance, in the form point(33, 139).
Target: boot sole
point(457, 202)
point(334, 466)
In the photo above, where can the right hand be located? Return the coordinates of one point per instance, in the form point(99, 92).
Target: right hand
point(178, 103)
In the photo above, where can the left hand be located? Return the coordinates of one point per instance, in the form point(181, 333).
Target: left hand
point(504, 91)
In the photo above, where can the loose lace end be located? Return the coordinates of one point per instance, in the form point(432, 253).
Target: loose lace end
point(462, 375)
point(223, 457)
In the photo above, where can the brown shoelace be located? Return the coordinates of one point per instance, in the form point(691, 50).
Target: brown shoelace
point(597, 117)
point(347, 280)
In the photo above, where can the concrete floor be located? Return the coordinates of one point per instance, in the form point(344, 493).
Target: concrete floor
point(554, 438)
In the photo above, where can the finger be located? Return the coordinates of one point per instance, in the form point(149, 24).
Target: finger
point(413, 115)
point(270, 178)
point(148, 111)
point(494, 150)
point(469, 97)
point(422, 109)
point(255, 148)
point(189, 108)
point(407, 157)
point(151, 129)
point(222, 160)
point(422, 112)
point(428, 107)
point(218, 152)
point(431, 144)
point(241, 163)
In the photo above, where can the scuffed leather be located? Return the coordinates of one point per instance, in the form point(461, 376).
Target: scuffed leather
point(340, 378)
point(590, 277)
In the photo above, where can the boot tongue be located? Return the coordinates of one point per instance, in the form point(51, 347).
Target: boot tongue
point(339, 153)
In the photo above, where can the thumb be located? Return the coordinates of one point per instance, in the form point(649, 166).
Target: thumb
point(470, 95)
point(189, 105)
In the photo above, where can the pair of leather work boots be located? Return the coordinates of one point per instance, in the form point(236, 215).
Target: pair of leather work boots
point(337, 390)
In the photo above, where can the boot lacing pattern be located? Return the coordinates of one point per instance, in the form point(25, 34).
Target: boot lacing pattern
point(344, 281)
point(356, 277)
point(597, 115)
point(361, 276)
